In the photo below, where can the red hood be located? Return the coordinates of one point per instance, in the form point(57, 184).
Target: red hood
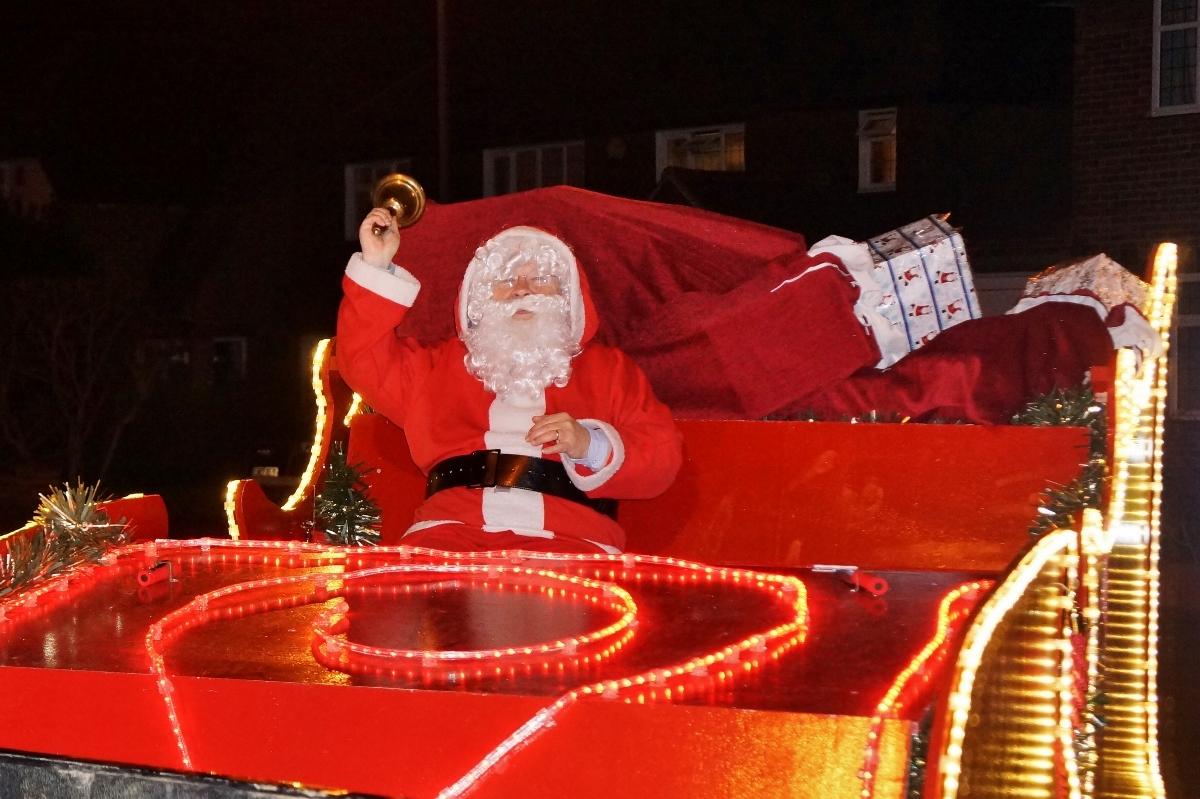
point(584, 320)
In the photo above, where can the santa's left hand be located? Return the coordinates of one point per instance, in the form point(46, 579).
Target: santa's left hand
point(559, 432)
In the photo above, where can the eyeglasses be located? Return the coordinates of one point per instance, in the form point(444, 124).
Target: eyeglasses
point(539, 284)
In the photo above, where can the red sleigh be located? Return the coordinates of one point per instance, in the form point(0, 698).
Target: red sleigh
point(755, 663)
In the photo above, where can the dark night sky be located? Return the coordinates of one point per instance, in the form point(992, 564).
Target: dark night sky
point(163, 92)
point(141, 99)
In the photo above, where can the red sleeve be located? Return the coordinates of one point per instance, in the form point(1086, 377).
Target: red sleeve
point(647, 445)
point(375, 362)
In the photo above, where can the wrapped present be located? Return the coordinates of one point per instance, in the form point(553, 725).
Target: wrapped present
point(1112, 291)
point(924, 279)
point(1097, 276)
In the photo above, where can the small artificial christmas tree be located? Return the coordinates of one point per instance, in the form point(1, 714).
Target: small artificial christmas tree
point(344, 512)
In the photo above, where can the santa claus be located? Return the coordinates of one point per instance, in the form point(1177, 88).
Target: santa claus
point(527, 430)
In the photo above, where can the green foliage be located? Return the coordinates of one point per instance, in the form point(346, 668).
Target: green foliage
point(344, 511)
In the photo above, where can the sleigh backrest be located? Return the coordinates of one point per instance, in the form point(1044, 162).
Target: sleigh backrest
point(777, 493)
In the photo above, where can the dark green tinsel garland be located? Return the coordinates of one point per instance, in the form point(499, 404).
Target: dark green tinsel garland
point(1061, 505)
point(918, 757)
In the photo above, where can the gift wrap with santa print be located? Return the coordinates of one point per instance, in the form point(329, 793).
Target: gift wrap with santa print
point(921, 269)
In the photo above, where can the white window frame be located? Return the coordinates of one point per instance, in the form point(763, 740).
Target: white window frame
point(494, 154)
point(1156, 68)
point(1187, 320)
point(662, 139)
point(868, 118)
point(354, 190)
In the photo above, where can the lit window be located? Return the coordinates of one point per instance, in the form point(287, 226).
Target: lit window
point(877, 150)
point(1184, 375)
point(509, 169)
point(716, 149)
point(1176, 66)
point(359, 180)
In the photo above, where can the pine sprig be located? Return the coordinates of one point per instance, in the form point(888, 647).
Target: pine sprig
point(69, 529)
point(344, 512)
point(1077, 407)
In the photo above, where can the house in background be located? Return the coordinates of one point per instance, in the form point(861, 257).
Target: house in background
point(822, 118)
point(1136, 152)
point(1135, 162)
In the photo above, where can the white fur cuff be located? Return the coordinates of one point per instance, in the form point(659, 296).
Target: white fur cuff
point(399, 286)
point(599, 478)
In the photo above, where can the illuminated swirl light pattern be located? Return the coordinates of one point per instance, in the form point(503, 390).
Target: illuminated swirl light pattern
point(587, 577)
point(585, 650)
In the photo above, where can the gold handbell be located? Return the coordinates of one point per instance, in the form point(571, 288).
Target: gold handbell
point(402, 196)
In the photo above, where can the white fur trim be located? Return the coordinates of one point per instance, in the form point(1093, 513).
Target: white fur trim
point(509, 419)
point(1078, 299)
point(400, 287)
point(608, 548)
point(574, 289)
point(1137, 333)
point(597, 479)
point(425, 525)
point(513, 509)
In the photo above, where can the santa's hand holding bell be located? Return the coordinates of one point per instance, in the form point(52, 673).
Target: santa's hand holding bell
point(379, 237)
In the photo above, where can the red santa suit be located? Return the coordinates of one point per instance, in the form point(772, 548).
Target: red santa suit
point(445, 412)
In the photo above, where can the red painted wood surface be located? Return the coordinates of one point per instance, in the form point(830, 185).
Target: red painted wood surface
point(787, 494)
point(254, 704)
point(880, 496)
point(396, 742)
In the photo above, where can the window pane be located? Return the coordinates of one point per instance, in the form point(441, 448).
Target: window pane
point(707, 151)
point(1187, 369)
point(552, 166)
point(501, 174)
point(1177, 67)
point(677, 152)
point(526, 170)
point(1177, 11)
point(878, 125)
point(735, 152)
point(883, 162)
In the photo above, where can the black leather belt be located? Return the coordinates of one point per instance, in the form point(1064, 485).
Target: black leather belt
point(491, 468)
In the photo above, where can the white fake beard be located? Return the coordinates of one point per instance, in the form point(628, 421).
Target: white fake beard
point(521, 356)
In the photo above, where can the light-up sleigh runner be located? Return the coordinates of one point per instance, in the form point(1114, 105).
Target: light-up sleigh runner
point(826, 609)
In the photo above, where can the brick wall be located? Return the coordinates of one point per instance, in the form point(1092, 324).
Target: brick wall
point(1136, 176)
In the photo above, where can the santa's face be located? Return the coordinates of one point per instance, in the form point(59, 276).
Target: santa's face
point(516, 306)
point(521, 281)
